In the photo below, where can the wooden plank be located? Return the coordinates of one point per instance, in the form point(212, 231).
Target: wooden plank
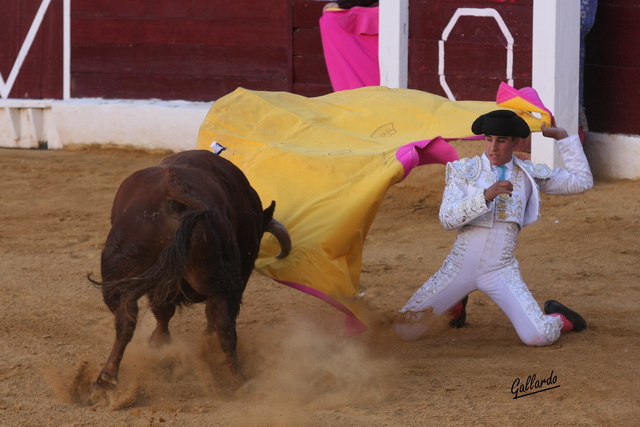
point(311, 90)
point(470, 59)
point(487, 28)
point(310, 69)
point(612, 99)
point(475, 52)
point(614, 23)
point(310, 76)
point(612, 69)
point(15, 20)
point(41, 73)
point(289, 46)
point(190, 88)
point(232, 32)
point(201, 9)
point(12, 33)
point(463, 88)
point(612, 40)
point(423, 56)
point(180, 50)
point(307, 41)
point(605, 52)
point(307, 13)
point(426, 83)
point(427, 20)
point(241, 61)
point(467, 59)
point(50, 74)
point(621, 3)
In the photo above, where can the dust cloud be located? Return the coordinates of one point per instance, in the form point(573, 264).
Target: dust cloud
point(297, 366)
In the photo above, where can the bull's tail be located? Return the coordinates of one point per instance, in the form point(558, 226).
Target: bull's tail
point(165, 275)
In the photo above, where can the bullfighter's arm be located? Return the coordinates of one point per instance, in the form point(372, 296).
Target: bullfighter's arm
point(462, 201)
point(575, 177)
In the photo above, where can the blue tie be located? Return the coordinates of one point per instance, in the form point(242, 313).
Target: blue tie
point(502, 171)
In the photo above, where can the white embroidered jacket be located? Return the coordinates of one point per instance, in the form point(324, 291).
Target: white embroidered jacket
point(463, 202)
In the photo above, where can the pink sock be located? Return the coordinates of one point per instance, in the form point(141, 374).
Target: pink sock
point(353, 326)
point(456, 310)
point(566, 325)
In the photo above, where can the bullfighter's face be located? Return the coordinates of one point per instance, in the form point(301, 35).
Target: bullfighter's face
point(499, 149)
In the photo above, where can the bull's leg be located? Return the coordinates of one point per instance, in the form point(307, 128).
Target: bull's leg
point(125, 322)
point(221, 320)
point(161, 335)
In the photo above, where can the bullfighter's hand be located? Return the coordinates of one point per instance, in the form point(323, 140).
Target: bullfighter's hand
point(500, 187)
point(554, 132)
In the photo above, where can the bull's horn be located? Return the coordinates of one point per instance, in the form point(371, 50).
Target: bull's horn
point(276, 228)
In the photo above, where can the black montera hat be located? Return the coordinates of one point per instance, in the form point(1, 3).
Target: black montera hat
point(501, 123)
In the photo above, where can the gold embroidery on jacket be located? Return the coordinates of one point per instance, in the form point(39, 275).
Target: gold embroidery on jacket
point(511, 207)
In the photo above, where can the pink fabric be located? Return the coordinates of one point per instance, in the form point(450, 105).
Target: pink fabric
point(507, 95)
point(567, 326)
point(350, 44)
point(418, 153)
point(456, 311)
point(353, 325)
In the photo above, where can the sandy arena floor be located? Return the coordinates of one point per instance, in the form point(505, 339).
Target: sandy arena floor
point(55, 331)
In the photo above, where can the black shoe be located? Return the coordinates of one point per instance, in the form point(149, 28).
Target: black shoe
point(551, 307)
point(460, 320)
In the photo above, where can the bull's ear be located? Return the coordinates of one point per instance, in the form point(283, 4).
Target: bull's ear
point(268, 214)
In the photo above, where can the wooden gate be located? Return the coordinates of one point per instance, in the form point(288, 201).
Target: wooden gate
point(31, 49)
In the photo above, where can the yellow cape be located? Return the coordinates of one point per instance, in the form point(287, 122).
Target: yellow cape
point(328, 162)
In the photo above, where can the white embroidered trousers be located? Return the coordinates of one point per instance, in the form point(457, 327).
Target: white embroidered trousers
point(483, 259)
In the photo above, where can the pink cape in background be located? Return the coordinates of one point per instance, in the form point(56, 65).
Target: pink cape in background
point(350, 43)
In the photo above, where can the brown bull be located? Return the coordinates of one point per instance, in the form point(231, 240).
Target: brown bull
point(183, 232)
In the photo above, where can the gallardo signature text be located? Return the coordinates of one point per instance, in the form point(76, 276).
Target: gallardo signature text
point(533, 385)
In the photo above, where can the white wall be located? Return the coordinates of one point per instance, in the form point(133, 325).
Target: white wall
point(556, 70)
point(145, 124)
point(613, 156)
point(27, 123)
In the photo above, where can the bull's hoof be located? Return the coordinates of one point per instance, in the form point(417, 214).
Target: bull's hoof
point(237, 381)
point(103, 389)
point(158, 340)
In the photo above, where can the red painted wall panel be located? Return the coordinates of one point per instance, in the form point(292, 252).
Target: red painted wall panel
point(307, 40)
point(612, 69)
point(173, 87)
point(232, 32)
point(197, 50)
point(475, 52)
point(306, 13)
point(261, 45)
point(310, 69)
point(186, 9)
point(41, 74)
point(310, 76)
point(428, 18)
point(240, 61)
